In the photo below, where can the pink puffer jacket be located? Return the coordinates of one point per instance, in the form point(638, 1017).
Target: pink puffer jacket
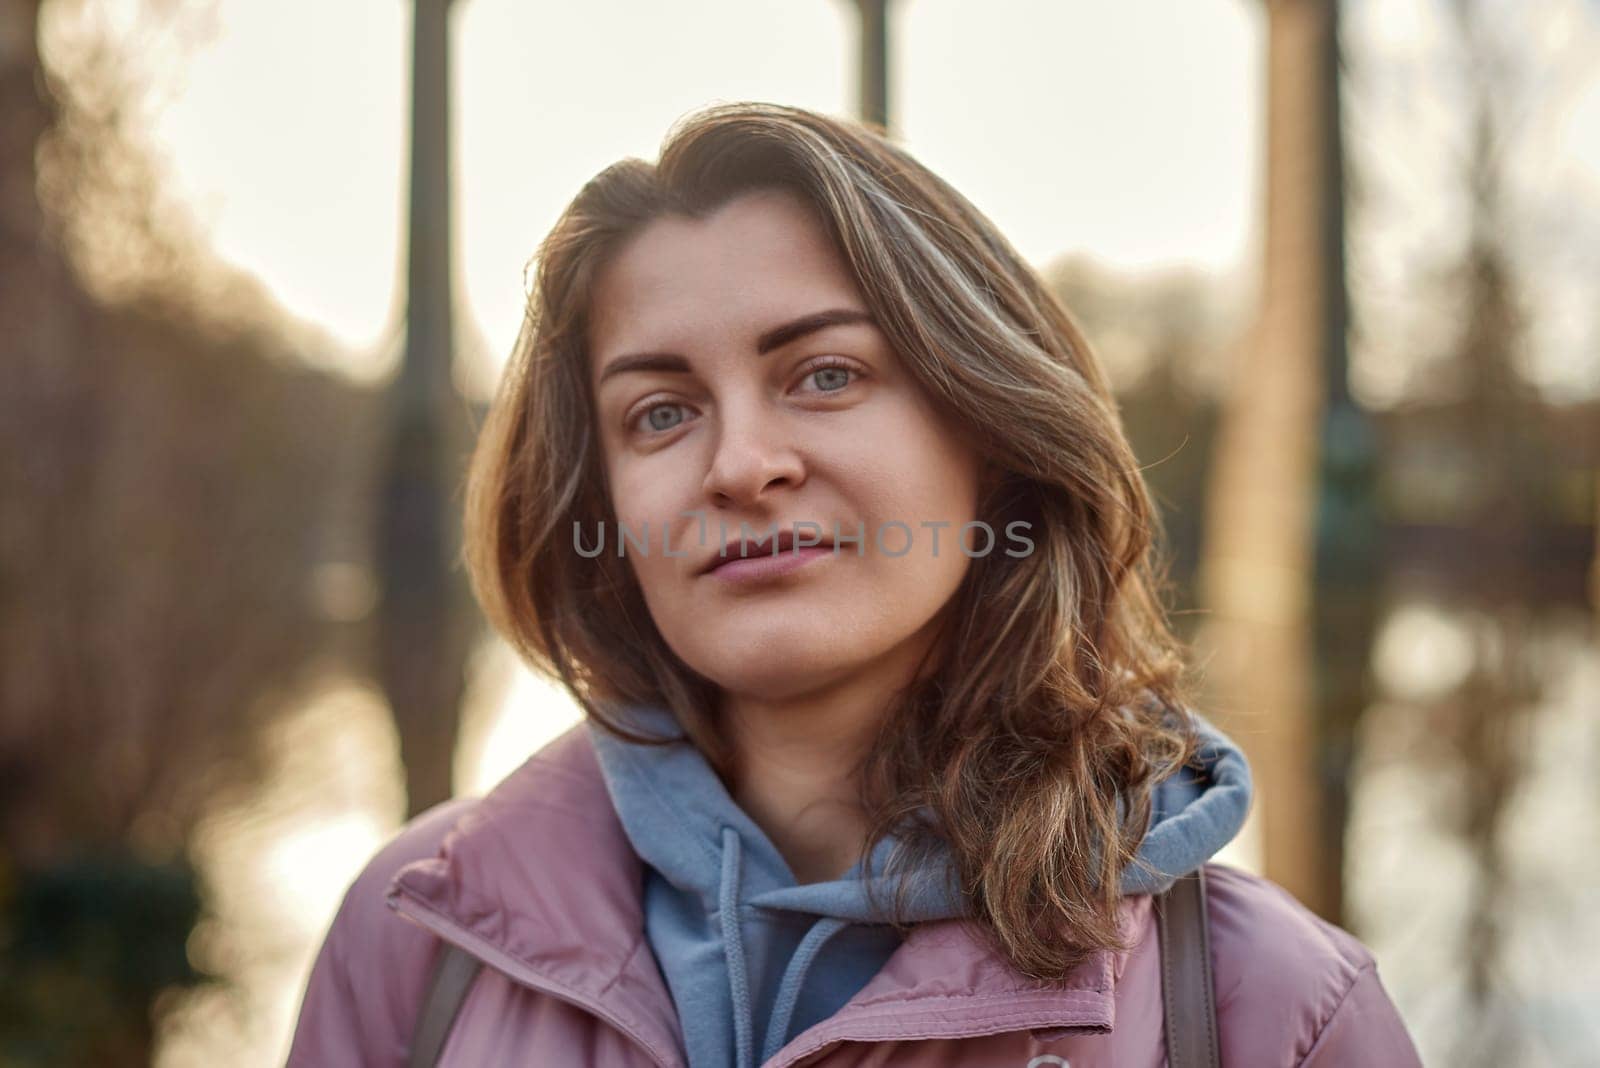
point(537, 879)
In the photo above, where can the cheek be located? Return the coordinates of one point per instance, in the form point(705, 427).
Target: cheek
point(641, 493)
point(646, 500)
point(916, 471)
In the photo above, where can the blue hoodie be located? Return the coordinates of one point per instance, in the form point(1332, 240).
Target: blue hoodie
point(738, 939)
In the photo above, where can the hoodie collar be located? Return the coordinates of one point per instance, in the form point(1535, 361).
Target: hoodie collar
point(677, 812)
point(668, 795)
point(579, 936)
point(1193, 813)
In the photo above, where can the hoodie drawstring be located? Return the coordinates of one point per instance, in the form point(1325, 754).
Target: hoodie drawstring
point(733, 950)
point(793, 977)
point(733, 947)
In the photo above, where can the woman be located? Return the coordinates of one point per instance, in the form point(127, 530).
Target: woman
point(817, 501)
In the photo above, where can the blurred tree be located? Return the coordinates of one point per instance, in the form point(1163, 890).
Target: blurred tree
point(1494, 421)
point(177, 481)
point(1499, 429)
point(1486, 481)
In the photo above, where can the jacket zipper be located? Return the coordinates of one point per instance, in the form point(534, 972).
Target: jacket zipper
point(447, 929)
point(452, 932)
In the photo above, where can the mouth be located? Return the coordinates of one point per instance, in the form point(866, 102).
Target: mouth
point(780, 547)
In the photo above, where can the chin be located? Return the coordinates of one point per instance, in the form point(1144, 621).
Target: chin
point(777, 668)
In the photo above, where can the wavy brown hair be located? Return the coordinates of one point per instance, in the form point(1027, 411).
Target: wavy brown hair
point(1056, 699)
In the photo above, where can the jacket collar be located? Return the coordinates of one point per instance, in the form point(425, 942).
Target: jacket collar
point(539, 881)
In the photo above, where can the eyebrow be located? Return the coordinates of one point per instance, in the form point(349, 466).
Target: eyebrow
point(775, 338)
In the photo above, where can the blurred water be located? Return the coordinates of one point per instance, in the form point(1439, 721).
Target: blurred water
point(278, 862)
point(1410, 881)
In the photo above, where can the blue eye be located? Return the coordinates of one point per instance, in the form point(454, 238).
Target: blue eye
point(832, 376)
point(836, 375)
point(656, 423)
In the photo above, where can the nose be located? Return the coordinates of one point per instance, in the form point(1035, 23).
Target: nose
point(754, 453)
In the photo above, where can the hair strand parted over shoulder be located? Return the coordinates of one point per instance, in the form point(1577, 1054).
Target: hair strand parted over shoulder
point(1058, 699)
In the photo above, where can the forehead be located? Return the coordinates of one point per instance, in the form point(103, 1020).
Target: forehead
point(758, 259)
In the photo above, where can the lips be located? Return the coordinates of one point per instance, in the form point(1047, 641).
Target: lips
point(737, 549)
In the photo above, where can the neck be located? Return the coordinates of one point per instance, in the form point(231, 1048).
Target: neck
point(795, 758)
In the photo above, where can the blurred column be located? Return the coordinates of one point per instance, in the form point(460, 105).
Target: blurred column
point(1594, 564)
point(1347, 577)
point(424, 620)
point(873, 103)
point(1258, 564)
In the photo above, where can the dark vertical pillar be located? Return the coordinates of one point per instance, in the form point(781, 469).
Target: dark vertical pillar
point(1345, 606)
point(873, 105)
point(423, 625)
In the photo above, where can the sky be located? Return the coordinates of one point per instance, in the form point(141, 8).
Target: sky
point(285, 130)
point(1126, 132)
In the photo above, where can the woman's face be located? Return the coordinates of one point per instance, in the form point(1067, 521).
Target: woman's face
point(719, 404)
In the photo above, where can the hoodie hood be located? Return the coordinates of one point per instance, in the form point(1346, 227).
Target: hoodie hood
point(736, 936)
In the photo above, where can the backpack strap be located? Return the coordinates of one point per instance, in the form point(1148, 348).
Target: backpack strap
point(453, 972)
point(1188, 999)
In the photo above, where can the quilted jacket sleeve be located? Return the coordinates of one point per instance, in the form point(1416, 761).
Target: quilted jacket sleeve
point(1294, 990)
point(1365, 1029)
point(361, 999)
